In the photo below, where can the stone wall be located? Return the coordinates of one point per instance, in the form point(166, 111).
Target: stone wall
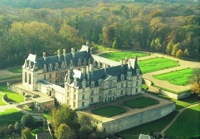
point(130, 121)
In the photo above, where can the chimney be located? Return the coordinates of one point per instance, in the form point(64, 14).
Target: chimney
point(44, 55)
point(136, 58)
point(87, 69)
point(73, 52)
point(122, 63)
point(91, 67)
point(58, 54)
point(83, 69)
point(64, 54)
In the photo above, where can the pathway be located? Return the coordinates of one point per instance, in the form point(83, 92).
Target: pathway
point(180, 112)
point(5, 73)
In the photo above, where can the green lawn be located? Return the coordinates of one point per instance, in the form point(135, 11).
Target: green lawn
point(1, 100)
point(16, 70)
point(155, 126)
point(117, 56)
point(187, 124)
point(141, 102)
point(108, 111)
point(179, 77)
point(10, 116)
point(12, 96)
point(155, 64)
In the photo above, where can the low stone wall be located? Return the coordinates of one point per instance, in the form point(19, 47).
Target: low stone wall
point(38, 117)
point(130, 121)
point(175, 96)
point(11, 81)
point(21, 91)
point(27, 103)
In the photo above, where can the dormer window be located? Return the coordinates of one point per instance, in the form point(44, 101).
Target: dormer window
point(56, 66)
point(45, 68)
point(92, 84)
point(63, 65)
point(122, 77)
point(50, 67)
point(137, 71)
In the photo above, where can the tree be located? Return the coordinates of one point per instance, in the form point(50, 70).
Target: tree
point(64, 115)
point(156, 44)
point(26, 133)
point(175, 49)
point(27, 121)
point(86, 128)
point(115, 44)
point(64, 132)
point(169, 47)
point(179, 53)
point(195, 86)
point(186, 52)
point(17, 127)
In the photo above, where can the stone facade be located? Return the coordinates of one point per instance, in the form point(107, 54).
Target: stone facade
point(80, 79)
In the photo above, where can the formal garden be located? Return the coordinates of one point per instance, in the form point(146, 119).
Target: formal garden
point(156, 64)
point(109, 111)
point(117, 56)
point(12, 97)
point(141, 102)
point(178, 77)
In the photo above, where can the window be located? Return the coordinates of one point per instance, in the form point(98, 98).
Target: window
point(99, 97)
point(56, 74)
point(49, 75)
point(74, 104)
point(74, 96)
point(83, 90)
point(136, 90)
point(29, 78)
point(83, 96)
point(91, 99)
point(121, 92)
point(45, 77)
point(83, 104)
point(137, 83)
point(67, 94)
point(92, 93)
point(26, 77)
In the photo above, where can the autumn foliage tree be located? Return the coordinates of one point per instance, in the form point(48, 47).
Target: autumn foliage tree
point(196, 82)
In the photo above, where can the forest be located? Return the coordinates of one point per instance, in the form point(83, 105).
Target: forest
point(37, 26)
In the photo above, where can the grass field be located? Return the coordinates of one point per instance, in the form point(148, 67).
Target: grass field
point(155, 126)
point(10, 116)
point(15, 70)
point(12, 96)
point(155, 64)
point(183, 128)
point(179, 77)
point(117, 56)
point(108, 111)
point(1, 100)
point(141, 102)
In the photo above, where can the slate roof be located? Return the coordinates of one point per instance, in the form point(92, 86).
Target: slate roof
point(102, 74)
point(39, 62)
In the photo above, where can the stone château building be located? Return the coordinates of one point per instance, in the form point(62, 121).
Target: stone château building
point(80, 79)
